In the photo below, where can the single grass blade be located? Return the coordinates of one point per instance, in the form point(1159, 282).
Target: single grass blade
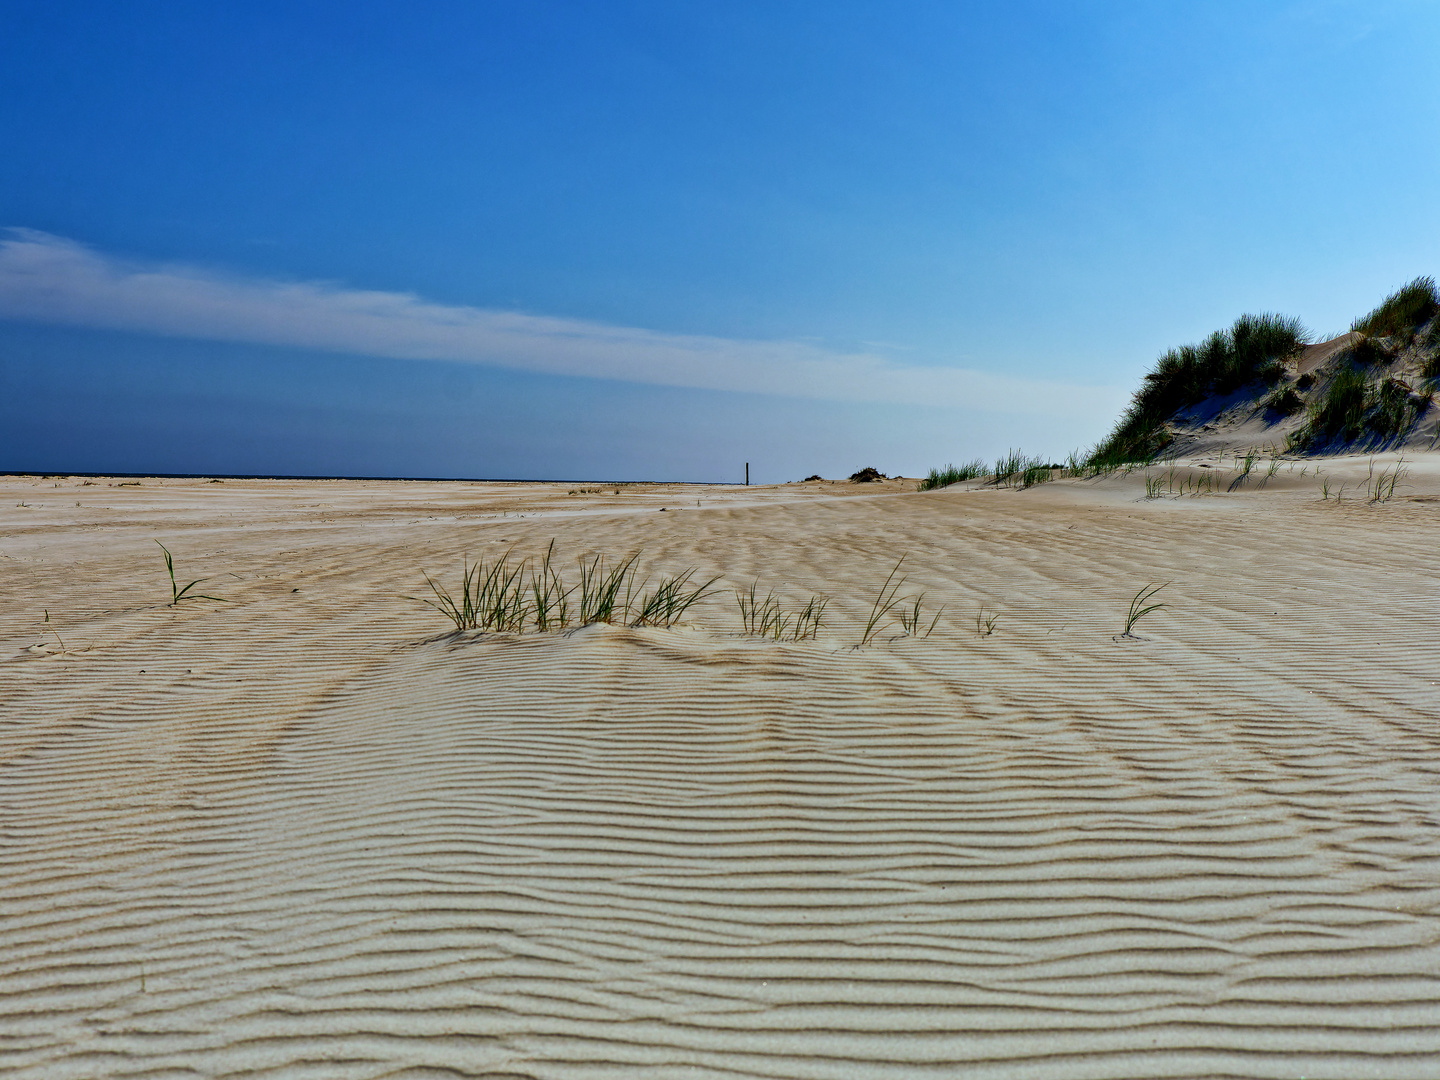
point(885, 601)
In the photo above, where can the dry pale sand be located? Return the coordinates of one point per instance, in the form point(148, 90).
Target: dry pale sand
point(301, 834)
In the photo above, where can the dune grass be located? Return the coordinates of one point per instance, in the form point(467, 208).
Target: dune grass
point(667, 604)
point(506, 596)
point(1157, 487)
point(1247, 466)
point(911, 619)
point(1021, 471)
point(176, 593)
point(549, 598)
point(1391, 410)
point(1368, 353)
point(890, 607)
point(1015, 469)
point(1381, 488)
point(482, 599)
point(768, 618)
point(1403, 311)
point(1036, 472)
point(885, 602)
point(1341, 411)
point(1140, 607)
point(600, 589)
point(808, 618)
point(1249, 353)
point(1008, 466)
point(952, 474)
point(1353, 408)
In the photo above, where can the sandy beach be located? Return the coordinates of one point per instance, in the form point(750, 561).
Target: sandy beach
point(309, 832)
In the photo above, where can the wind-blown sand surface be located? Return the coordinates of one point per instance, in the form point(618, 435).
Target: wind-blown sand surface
point(303, 834)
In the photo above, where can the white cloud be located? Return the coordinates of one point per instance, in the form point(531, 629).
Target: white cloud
point(48, 278)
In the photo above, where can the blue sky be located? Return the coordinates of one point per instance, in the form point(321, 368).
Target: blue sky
point(657, 240)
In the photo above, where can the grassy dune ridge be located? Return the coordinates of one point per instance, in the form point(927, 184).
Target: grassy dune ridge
point(1370, 394)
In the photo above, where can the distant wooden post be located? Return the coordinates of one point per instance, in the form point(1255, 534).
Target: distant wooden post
point(747, 474)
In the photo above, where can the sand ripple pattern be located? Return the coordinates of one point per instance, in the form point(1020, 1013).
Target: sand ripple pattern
point(313, 841)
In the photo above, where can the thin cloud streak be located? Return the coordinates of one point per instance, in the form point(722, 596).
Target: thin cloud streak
point(47, 278)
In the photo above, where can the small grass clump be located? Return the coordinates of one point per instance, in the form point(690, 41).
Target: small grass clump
point(890, 606)
point(671, 599)
point(1021, 471)
point(1008, 466)
point(176, 593)
point(1381, 488)
point(1403, 311)
point(767, 618)
point(1140, 607)
point(911, 620)
point(511, 597)
point(952, 474)
point(1036, 472)
point(600, 587)
point(549, 598)
point(1247, 466)
point(491, 598)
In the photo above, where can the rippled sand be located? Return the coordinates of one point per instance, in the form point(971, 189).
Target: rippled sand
point(304, 834)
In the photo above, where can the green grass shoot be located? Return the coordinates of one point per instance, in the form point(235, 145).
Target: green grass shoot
point(952, 474)
point(505, 596)
point(911, 619)
point(768, 618)
point(1140, 607)
point(886, 601)
point(985, 624)
point(671, 599)
point(176, 593)
point(1381, 488)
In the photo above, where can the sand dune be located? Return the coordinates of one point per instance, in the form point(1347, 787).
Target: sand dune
point(303, 833)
